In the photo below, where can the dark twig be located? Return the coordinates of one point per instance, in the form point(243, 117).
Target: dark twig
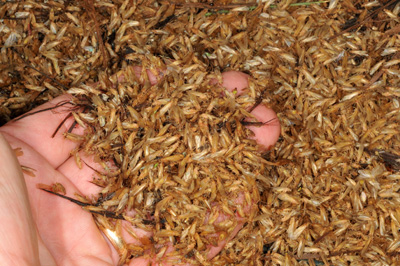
point(257, 124)
point(108, 214)
point(59, 126)
point(258, 100)
point(72, 126)
point(80, 203)
point(95, 170)
point(43, 110)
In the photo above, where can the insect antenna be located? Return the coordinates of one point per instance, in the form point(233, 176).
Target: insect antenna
point(257, 124)
point(108, 214)
point(43, 110)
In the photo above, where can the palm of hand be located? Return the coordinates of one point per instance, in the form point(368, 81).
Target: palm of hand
point(68, 232)
point(65, 231)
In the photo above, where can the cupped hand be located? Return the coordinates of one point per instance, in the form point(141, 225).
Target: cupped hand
point(41, 229)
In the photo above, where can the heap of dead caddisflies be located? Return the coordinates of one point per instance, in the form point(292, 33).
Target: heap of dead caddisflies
point(183, 155)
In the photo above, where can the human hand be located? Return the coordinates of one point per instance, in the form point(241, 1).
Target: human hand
point(67, 235)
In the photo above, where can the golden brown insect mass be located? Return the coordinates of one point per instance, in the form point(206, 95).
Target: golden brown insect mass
point(332, 71)
point(181, 152)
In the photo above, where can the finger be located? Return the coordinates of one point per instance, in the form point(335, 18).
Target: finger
point(19, 241)
point(140, 74)
point(46, 259)
point(36, 130)
point(68, 231)
point(235, 80)
point(152, 77)
point(83, 177)
point(157, 260)
point(212, 251)
point(239, 200)
point(266, 135)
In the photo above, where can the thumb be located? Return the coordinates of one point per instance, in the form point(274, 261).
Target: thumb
point(18, 245)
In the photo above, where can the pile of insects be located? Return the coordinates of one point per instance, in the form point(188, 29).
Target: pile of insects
point(179, 158)
point(175, 152)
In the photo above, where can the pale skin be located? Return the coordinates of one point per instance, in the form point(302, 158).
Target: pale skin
point(38, 228)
